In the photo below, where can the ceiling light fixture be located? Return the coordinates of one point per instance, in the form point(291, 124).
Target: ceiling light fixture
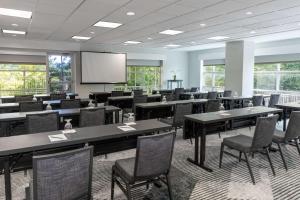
point(249, 13)
point(80, 37)
point(202, 25)
point(130, 13)
point(92, 32)
point(149, 38)
point(252, 32)
point(218, 38)
point(170, 32)
point(107, 24)
point(15, 13)
point(14, 32)
point(173, 45)
point(193, 42)
point(14, 24)
point(132, 42)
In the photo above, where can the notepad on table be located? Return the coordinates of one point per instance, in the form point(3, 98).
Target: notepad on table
point(57, 137)
point(225, 114)
point(126, 128)
point(69, 131)
point(130, 123)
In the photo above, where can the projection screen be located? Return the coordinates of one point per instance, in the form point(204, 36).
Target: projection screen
point(99, 67)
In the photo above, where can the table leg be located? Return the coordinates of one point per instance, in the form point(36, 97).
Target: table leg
point(117, 116)
point(196, 150)
point(7, 179)
point(284, 119)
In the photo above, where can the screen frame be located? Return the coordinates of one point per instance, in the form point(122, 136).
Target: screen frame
point(82, 83)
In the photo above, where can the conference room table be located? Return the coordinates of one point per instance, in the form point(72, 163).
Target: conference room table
point(44, 97)
point(201, 125)
point(287, 109)
point(8, 118)
point(164, 109)
point(234, 102)
point(197, 95)
point(101, 97)
point(126, 101)
point(13, 146)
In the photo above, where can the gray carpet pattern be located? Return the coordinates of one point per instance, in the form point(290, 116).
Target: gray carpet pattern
point(232, 182)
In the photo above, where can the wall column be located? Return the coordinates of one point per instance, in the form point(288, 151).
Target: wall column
point(239, 71)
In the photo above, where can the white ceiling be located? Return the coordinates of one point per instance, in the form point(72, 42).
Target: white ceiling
point(59, 20)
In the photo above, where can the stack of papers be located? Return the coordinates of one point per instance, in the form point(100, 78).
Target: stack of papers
point(57, 137)
point(130, 123)
point(126, 128)
point(225, 114)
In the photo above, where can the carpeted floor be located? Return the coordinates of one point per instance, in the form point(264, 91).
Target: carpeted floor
point(190, 182)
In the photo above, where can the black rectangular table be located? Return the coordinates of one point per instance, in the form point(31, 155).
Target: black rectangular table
point(11, 99)
point(126, 101)
point(101, 97)
point(16, 145)
point(201, 122)
point(234, 102)
point(8, 118)
point(288, 108)
point(160, 109)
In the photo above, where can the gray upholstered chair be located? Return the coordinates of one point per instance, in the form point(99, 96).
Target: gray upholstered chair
point(117, 93)
point(169, 96)
point(257, 100)
point(180, 110)
point(42, 122)
point(177, 93)
point(136, 99)
point(260, 142)
point(69, 103)
point(227, 93)
point(138, 92)
point(152, 162)
point(21, 98)
point(194, 89)
point(29, 106)
point(291, 136)
point(212, 105)
point(274, 99)
point(58, 96)
point(92, 117)
point(212, 95)
point(65, 176)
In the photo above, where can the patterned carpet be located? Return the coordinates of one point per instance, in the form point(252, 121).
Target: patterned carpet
point(190, 182)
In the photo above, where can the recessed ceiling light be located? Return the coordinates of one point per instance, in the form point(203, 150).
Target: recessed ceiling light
point(173, 45)
point(107, 24)
point(132, 42)
point(15, 13)
point(202, 25)
point(249, 13)
point(80, 37)
point(14, 32)
point(130, 13)
point(218, 38)
point(14, 35)
point(149, 38)
point(171, 32)
point(14, 24)
point(92, 32)
point(252, 32)
point(193, 42)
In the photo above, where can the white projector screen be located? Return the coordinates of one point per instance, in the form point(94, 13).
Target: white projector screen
point(99, 67)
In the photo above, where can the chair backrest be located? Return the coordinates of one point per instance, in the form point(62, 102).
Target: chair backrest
point(212, 95)
point(169, 96)
point(28, 106)
point(42, 122)
point(194, 89)
point(257, 100)
point(66, 175)
point(177, 92)
point(21, 98)
point(138, 92)
point(58, 96)
point(203, 95)
point(139, 99)
point(69, 103)
point(227, 93)
point(264, 131)
point(154, 155)
point(212, 105)
point(274, 99)
point(117, 93)
point(180, 110)
point(293, 129)
point(92, 117)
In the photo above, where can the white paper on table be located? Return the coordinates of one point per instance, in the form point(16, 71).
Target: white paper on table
point(57, 137)
point(69, 131)
point(126, 128)
point(130, 123)
point(225, 114)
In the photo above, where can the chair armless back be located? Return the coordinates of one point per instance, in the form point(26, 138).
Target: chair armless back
point(139, 99)
point(22, 98)
point(138, 92)
point(194, 89)
point(92, 117)
point(58, 96)
point(117, 93)
point(181, 109)
point(28, 106)
point(264, 132)
point(42, 122)
point(212, 105)
point(274, 99)
point(69, 103)
point(153, 155)
point(257, 100)
point(212, 95)
point(66, 175)
point(293, 129)
point(227, 93)
point(177, 92)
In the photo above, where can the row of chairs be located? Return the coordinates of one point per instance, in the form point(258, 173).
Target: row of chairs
point(258, 100)
point(28, 106)
point(53, 96)
point(117, 93)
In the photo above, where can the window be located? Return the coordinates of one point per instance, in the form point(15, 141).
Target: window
point(213, 77)
point(283, 76)
point(19, 79)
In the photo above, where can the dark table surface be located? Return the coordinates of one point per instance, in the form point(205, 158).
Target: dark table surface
point(293, 105)
point(131, 97)
point(169, 103)
point(38, 95)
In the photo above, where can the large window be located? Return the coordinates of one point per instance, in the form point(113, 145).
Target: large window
point(213, 77)
point(17, 79)
point(283, 76)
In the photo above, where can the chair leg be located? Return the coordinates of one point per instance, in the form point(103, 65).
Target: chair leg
point(191, 140)
point(249, 167)
point(112, 185)
point(282, 157)
point(219, 135)
point(297, 145)
point(269, 158)
point(169, 187)
point(128, 191)
point(240, 156)
point(221, 155)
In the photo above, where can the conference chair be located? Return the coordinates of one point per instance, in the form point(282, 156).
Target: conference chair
point(42, 122)
point(152, 162)
point(260, 142)
point(29, 106)
point(69, 103)
point(21, 98)
point(227, 93)
point(177, 93)
point(212, 105)
point(117, 93)
point(65, 175)
point(138, 92)
point(274, 99)
point(212, 95)
point(257, 100)
point(58, 96)
point(194, 89)
point(92, 117)
point(136, 99)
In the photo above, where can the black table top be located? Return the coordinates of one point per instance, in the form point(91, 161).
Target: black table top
point(40, 141)
point(107, 92)
point(131, 97)
point(212, 117)
point(169, 103)
point(38, 95)
point(292, 105)
point(235, 98)
point(62, 113)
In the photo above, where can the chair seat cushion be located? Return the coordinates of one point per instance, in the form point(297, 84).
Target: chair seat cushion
point(168, 120)
point(126, 168)
point(278, 136)
point(240, 142)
